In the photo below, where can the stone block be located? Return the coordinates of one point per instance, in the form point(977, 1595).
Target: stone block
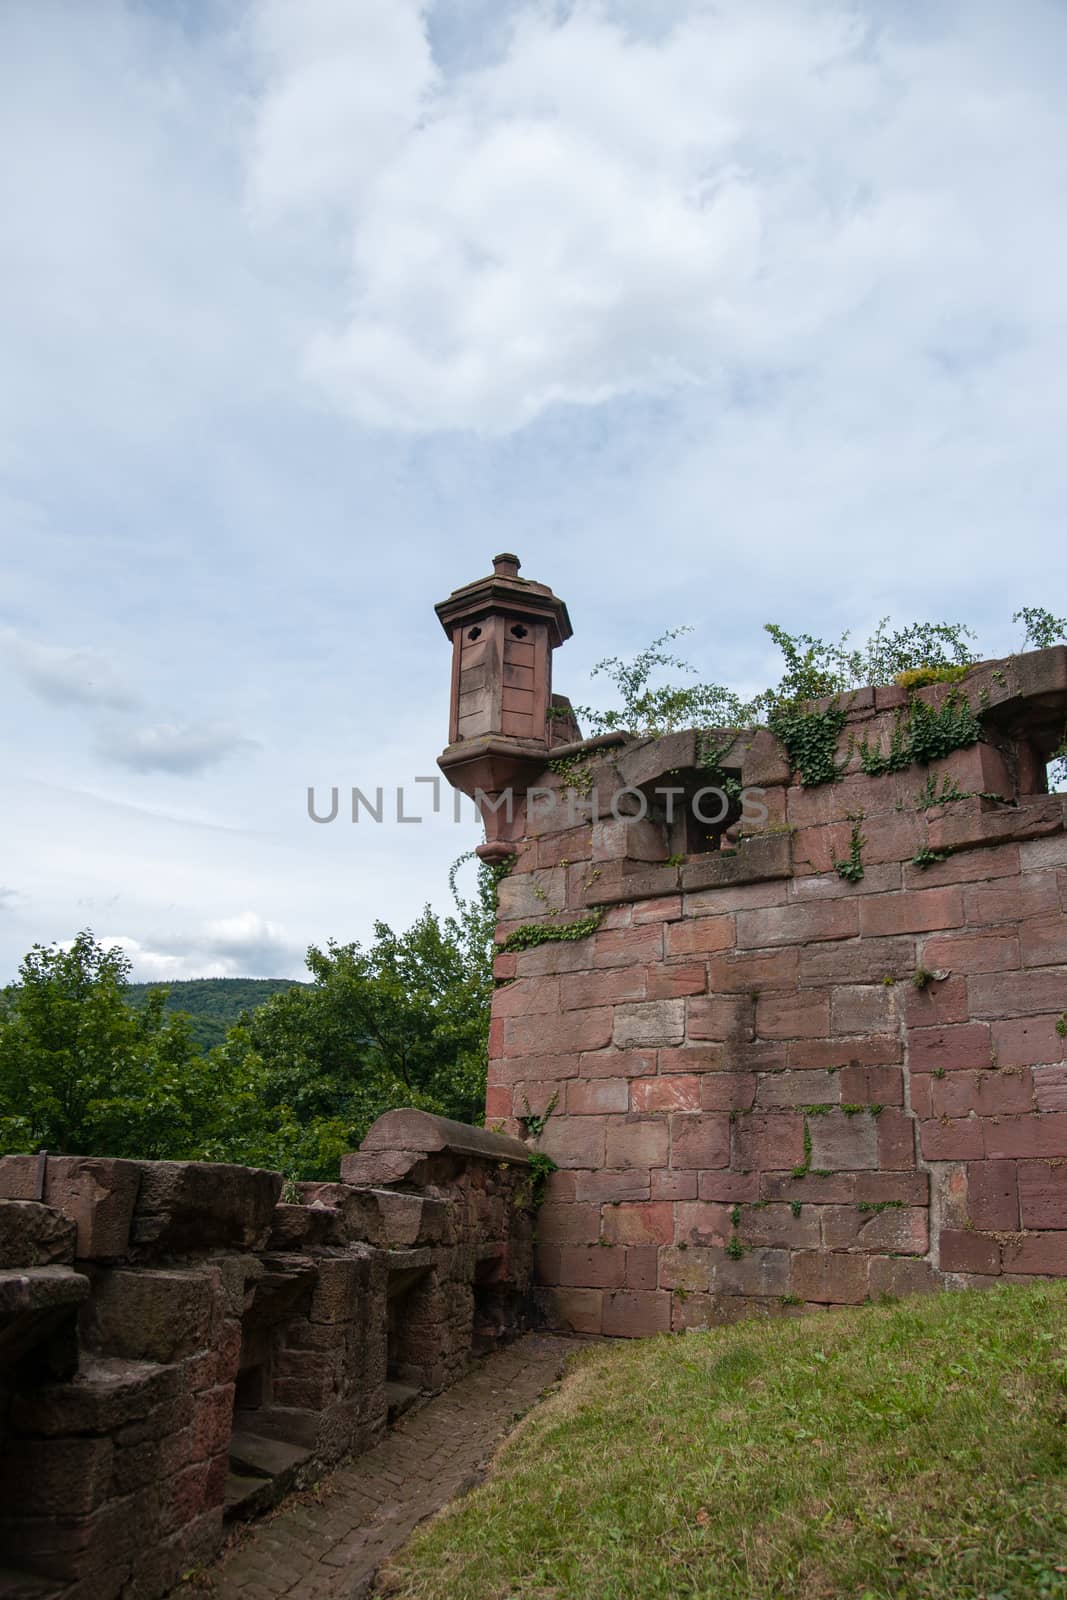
point(564, 1033)
point(803, 1014)
point(758, 1271)
point(618, 1064)
point(676, 1092)
point(668, 1185)
point(202, 1205)
point(635, 1141)
point(952, 1139)
point(728, 1091)
point(832, 1279)
point(578, 1142)
point(911, 911)
point(899, 1277)
point(653, 1023)
point(993, 1196)
point(871, 1086)
point(642, 1266)
point(903, 1231)
point(701, 1223)
point(963, 1251)
point(21, 1178)
point(1028, 993)
point(1038, 1253)
point(896, 1140)
point(671, 982)
point(104, 1396)
point(151, 1314)
point(721, 1018)
point(798, 924)
point(688, 1269)
point(33, 1235)
point(606, 986)
point(573, 1310)
point(700, 1140)
point(778, 1226)
point(337, 1291)
point(594, 1267)
point(588, 1097)
point(860, 961)
point(636, 1313)
point(700, 936)
point(768, 1141)
point(602, 1187)
point(728, 1187)
point(571, 1223)
point(986, 1094)
point(1009, 1138)
point(1042, 1193)
point(96, 1193)
point(965, 1047)
point(55, 1477)
point(639, 1224)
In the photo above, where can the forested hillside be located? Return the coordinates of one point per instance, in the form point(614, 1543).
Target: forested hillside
point(213, 1004)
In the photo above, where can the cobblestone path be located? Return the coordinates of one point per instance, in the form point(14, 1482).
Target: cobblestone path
point(327, 1544)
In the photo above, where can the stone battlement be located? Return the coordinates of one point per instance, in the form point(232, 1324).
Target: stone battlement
point(178, 1345)
point(810, 1047)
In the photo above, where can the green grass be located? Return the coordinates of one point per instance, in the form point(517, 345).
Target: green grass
point(909, 1450)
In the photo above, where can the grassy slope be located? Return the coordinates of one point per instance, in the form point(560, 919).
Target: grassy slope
point(907, 1450)
point(213, 1004)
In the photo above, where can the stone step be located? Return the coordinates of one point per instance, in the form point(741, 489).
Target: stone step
point(261, 1471)
point(247, 1496)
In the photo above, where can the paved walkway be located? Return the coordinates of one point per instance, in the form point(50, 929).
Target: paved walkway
point(327, 1543)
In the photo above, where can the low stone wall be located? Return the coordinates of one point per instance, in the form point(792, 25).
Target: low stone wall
point(177, 1345)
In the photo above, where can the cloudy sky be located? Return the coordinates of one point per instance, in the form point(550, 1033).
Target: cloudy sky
point(714, 312)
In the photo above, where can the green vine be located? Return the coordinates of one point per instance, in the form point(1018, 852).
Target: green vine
point(851, 868)
point(535, 1123)
point(923, 733)
point(925, 857)
point(542, 1167)
point(805, 1166)
point(575, 771)
point(810, 739)
point(531, 934)
point(933, 794)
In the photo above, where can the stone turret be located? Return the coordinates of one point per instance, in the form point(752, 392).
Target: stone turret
point(503, 717)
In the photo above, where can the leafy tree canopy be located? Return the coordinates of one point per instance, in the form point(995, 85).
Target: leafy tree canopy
point(294, 1084)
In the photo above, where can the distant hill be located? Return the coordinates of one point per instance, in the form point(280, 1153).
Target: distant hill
point(214, 1004)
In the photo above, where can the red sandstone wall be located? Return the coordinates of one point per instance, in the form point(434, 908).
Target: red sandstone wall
point(758, 1109)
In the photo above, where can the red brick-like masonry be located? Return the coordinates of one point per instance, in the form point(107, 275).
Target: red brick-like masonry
point(771, 1087)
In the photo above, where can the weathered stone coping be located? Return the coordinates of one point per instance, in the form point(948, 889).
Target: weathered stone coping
point(427, 1134)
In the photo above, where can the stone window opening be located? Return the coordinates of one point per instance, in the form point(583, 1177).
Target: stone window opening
point(702, 815)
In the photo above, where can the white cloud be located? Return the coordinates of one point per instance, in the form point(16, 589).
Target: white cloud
point(601, 212)
point(242, 946)
point(66, 675)
point(182, 748)
point(346, 83)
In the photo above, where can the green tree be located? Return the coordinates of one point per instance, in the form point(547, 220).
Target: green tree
point(82, 1072)
point(403, 1022)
